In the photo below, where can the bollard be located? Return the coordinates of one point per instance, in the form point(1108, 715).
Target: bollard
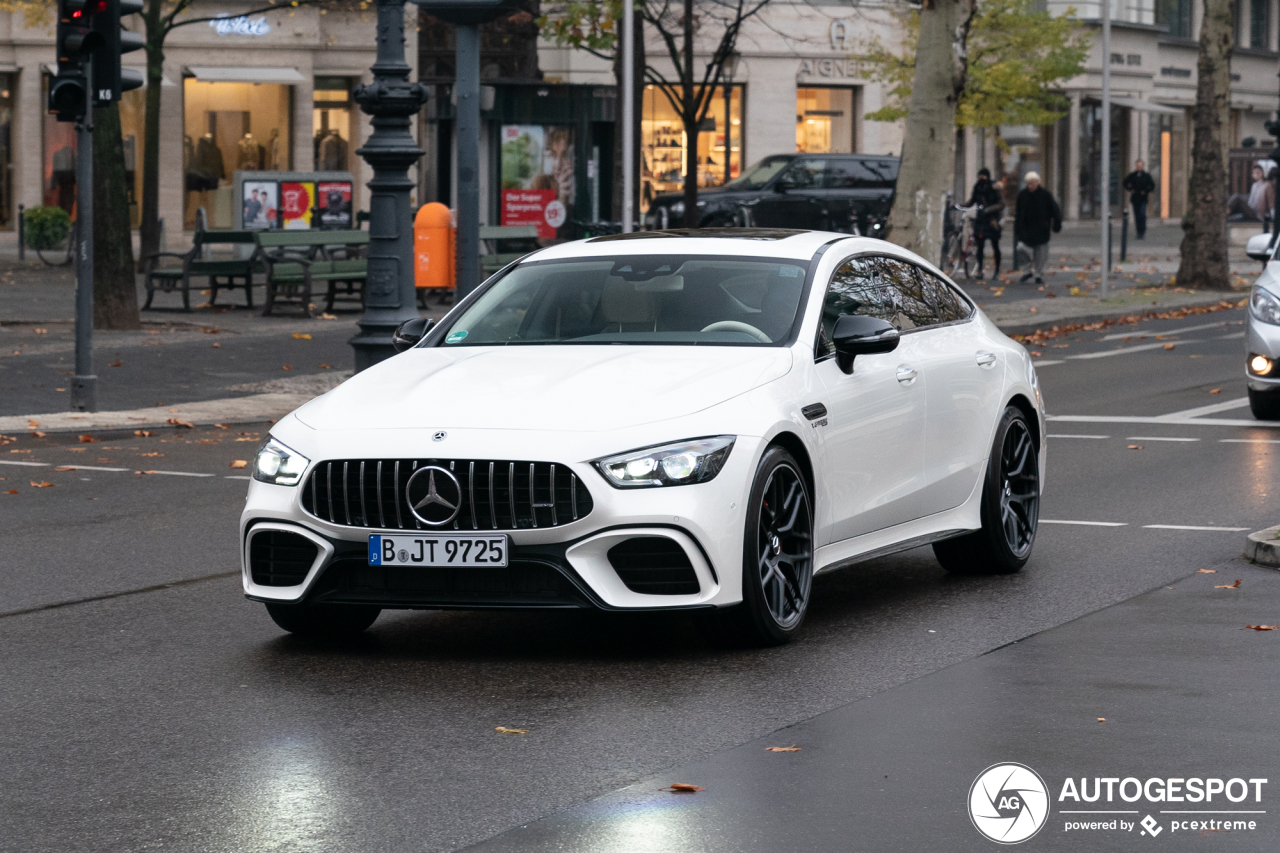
point(433, 248)
point(22, 234)
point(1124, 236)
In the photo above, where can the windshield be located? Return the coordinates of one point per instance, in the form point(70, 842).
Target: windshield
point(760, 174)
point(643, 299)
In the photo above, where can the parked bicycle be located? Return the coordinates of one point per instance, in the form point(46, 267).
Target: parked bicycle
point(961, 248)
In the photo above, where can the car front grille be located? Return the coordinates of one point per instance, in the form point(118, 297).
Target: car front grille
point(654, 565)
point(495, 495)
point(280, 558)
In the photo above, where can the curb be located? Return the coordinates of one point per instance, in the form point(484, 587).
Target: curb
point(233, 410)
point(1021, 327)
point(1263, 547)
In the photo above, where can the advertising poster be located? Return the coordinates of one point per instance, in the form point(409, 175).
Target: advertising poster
point(333, 198)
point(261, 205)
point(538, 184)
point(296, 200)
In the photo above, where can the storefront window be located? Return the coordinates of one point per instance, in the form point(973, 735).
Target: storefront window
point(133, 109)
point(333, 123)
point(59, 161)
point(6, 151)
point(662, 143)
point(228, 128)
point(825, 121)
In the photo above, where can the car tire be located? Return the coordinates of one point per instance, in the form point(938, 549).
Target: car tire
point(1010, 506)
point(777, 558)
point(323, 620)
point(1265, 405)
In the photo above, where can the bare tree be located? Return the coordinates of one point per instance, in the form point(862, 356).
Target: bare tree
point(1204, 227)
point(928, 150)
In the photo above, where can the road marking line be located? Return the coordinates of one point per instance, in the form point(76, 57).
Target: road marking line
point(1128, 350)
point(1157, 438)
point(180, 473)
point(1096, 811)
point(90, 468)
point(1248, 441)
point(1086, 523)
point(1213, 409)
point(25, 464)
point(1163, 419)
point(1191, 527)
point(1047, 362)
point(236, 477)
point(1120, 335)
point(1066, 435)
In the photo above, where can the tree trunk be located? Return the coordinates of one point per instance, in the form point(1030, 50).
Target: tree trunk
point(689, 115)
point(928, 149)
point(115, 291)
point(150, 227)
point(1204, 227)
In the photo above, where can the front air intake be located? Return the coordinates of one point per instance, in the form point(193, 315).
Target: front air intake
point(280, 558)
point(654, 565)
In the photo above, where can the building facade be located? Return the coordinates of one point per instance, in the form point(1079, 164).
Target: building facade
point(267, 92)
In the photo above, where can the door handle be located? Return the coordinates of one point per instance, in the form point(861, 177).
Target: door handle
point(986, 359)
point(907, 375)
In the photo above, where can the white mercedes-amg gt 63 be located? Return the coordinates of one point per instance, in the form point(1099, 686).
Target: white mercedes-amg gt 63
point(698, 420)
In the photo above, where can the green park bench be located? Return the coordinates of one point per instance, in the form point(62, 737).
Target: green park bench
point(222, 272)
point(295, 261)
point(497, 237)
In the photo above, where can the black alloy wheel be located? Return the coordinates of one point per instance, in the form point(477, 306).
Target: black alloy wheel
point(777, 559)
point(1010, 506)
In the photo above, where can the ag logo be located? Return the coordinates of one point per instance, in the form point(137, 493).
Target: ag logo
point(434, 495)
point(1008, 803)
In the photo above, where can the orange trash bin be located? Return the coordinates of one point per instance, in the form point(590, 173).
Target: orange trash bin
point(433, 239)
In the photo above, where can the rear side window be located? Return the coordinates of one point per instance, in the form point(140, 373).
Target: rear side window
point(949, 305)
point(805, 174)
point(856, 173)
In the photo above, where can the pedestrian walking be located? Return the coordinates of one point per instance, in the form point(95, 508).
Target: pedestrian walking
point(989, 197)
point(1036, 215)
point(1140, 186)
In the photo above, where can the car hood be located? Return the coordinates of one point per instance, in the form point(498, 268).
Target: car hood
point(566, 388)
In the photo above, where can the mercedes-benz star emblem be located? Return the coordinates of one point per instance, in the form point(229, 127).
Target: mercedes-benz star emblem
point(434, 495)
point(440, 436)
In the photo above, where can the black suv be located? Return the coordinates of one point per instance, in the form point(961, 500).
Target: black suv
point(823, 192)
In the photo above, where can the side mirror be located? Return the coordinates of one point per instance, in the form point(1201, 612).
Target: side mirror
point(782, 185)
point(1259, 247)
point(409, 333)
point(858, 334)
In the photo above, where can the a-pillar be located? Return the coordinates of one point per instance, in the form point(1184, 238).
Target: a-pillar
point(1073, 158)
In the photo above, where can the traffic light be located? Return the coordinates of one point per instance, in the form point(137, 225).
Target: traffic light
point(68, 92)
point(109, 79)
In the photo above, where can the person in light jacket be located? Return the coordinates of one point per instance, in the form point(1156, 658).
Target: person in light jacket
point(1036, 216)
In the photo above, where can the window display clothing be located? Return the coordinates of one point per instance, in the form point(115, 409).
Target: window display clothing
point(206, 168)
point(333, 153)
point(251, 155)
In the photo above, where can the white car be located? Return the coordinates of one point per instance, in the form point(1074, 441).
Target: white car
point(1262, 343)
point(663, 420)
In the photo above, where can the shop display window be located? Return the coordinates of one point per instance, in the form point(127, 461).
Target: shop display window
point(825, 121)
point(228, 128)
point(664, 161)
point(7, 82)
point(133, 110)
point(333, 124)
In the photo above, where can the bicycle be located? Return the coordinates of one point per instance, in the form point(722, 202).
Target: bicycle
point(961, 252)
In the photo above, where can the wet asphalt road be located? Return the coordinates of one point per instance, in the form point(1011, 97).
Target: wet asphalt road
point(148, 706)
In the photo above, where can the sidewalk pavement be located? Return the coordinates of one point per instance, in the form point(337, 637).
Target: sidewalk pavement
point(1168, 685)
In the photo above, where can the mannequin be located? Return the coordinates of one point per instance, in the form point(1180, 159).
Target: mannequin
point(333, 153)
point(250, 155)
point(207, 168)
point(273, 150)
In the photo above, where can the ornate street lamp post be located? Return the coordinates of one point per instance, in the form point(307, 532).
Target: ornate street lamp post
point(392, 100)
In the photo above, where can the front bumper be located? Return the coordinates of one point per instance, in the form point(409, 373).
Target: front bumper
point(1262, 339)
point(564, 566)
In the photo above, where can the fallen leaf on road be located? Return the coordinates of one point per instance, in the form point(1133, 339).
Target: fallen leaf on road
point(65, 469)
point(87, 439)
point(208, 441)
point(239, 463)
point(1102, 719)
point(1262, 627)
point(116, 363)
point(1215, 390)
point(1206, 571)
point(792, 748)
point(301, 336)
point(1235, 585)
point(502, 730)
point(217, 346)
point(1135, 447)
point(327, 317)
point(246, 439)
point(152, 453)
point(41, 331)
point(1035, 354)
point(12, 492)
point(1168, 346)
point(682, 788)
point(1033, 310)
point(286, 367)
point(221, 426)
point(33, 423)
point(43, 484)
point(37, 434)
point(143, 432)
point(323, 366)
point(179, 422)
point(211, 330)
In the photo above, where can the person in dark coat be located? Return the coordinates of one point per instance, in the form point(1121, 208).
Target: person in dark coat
point(1140, 186)
point(1036, 216)
point(986, 224)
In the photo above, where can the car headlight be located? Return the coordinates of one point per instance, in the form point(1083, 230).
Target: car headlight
point(1264, 306)
point(694, 461)
point(278, 464)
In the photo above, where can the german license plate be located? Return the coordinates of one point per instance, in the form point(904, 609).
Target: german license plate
point(442, 549)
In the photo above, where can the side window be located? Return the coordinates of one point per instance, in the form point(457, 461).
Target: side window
point(844, 174)
point(858, 173)
point(805, 174)
point(854, 289)
point(907, 305)
point(949, 305)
